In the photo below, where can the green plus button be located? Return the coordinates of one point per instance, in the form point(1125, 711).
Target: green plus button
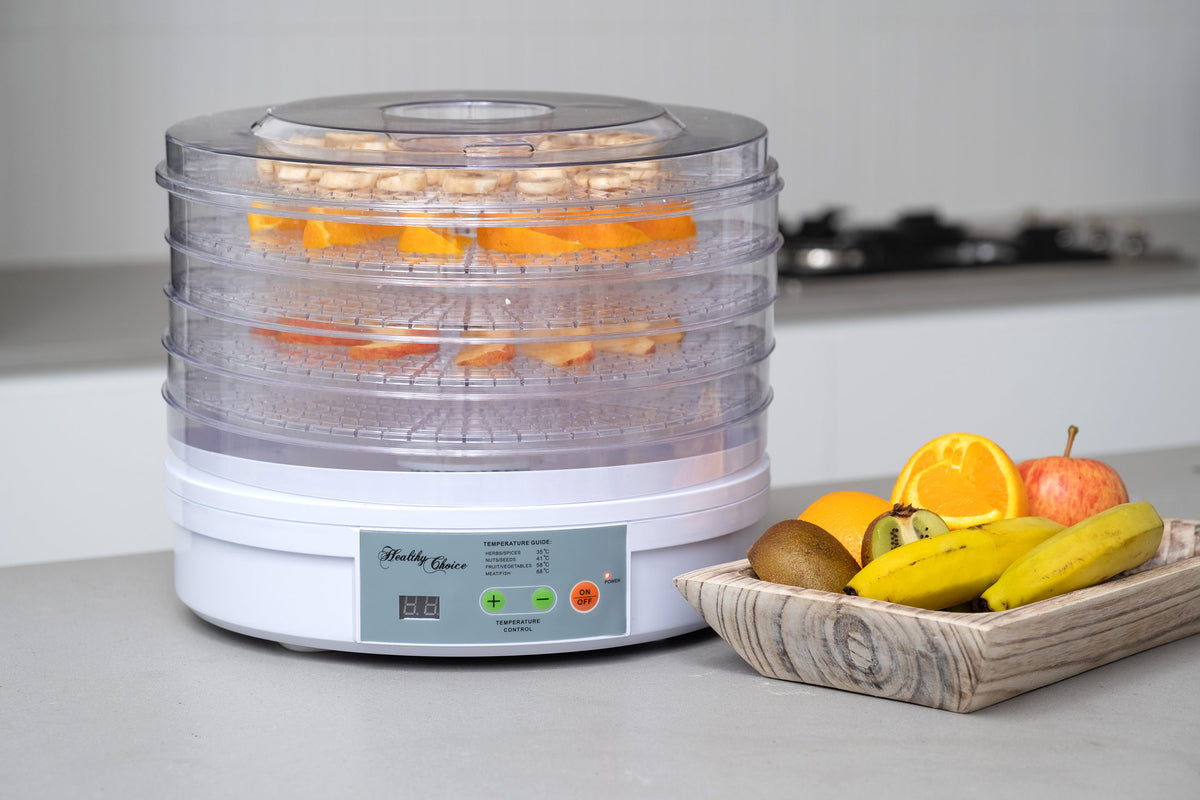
point(543, 598)
point(492, 601)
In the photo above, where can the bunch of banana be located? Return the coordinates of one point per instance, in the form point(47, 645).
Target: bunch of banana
point(951, 568)
point(1012, 562)
point(1087, 553)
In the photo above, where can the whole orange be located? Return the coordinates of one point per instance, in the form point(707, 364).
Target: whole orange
point(845, 515)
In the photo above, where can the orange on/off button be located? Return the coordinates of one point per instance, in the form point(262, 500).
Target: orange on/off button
point(584, 596)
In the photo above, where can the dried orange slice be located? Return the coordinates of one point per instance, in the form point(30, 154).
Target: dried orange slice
point(964, 478)
point(523, 240)
point(600, 236)
point(667, 228)
point(263, 226)
point(322, 233)
point(431, 241)
point(265, 222)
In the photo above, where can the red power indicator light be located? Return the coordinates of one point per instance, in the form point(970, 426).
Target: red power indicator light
point(607, 575)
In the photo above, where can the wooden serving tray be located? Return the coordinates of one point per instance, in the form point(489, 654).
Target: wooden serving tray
point(954, 661)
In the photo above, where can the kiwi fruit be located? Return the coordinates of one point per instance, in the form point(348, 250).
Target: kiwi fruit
point(901, 525)
point(799, 553)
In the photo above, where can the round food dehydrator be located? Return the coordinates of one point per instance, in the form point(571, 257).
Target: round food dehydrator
point(465, 373)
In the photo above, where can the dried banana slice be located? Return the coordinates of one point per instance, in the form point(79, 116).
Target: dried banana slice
point(470, 182)
point(620, 138)
point(348, 139)
point(641, 170)
point(408, 181)
point(307, 140)
point(565, 141)
point(297, 173)
point(348, 180)
point(544, 187)
point(605, 179)
point(375, 145)
point(542, 182)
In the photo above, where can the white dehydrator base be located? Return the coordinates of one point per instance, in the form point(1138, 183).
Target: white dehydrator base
point(285, 567)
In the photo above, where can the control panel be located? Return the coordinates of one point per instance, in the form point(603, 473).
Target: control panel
point(492, 587)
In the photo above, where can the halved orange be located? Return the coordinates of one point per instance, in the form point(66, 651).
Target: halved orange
point(965, 478)
point(431, 241)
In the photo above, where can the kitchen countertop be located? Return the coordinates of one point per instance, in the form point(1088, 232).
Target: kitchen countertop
point(110, 687)
point(1169, 269)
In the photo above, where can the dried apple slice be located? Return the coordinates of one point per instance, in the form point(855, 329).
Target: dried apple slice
point(486, 354)
point(559, 354)
point(296, 337)
point(668, 337)
point(633, 346)
point(389, 350)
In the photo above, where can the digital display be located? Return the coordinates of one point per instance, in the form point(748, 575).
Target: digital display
point(420, 606)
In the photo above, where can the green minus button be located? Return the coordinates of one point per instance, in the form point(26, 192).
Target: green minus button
point(543, 598)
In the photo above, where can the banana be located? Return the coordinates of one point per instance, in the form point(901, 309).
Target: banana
point(951, 568)
point(1084, 554)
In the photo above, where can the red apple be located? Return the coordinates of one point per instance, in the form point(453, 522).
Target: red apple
point(1068, 490)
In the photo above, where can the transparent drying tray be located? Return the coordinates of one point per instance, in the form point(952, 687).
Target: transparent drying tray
point(379, 430)
point(220, 346)
point(718, 244)
point(274, 300)
point(446, 154)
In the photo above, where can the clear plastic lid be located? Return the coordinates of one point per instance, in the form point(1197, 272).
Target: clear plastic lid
point(459, 152)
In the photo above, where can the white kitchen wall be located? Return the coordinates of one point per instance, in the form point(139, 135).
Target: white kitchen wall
point(978, 107)
point(982, 108)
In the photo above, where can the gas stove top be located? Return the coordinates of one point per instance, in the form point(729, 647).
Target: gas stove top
point(921, 240)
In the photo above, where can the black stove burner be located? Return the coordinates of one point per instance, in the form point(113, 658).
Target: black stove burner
point(920, 240)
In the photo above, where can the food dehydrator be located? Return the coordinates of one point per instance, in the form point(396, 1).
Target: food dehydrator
point(465, 373)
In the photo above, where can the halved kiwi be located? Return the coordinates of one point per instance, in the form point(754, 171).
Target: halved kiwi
point(901, 525)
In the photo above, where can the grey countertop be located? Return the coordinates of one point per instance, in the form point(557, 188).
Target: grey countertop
point(109, 687)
